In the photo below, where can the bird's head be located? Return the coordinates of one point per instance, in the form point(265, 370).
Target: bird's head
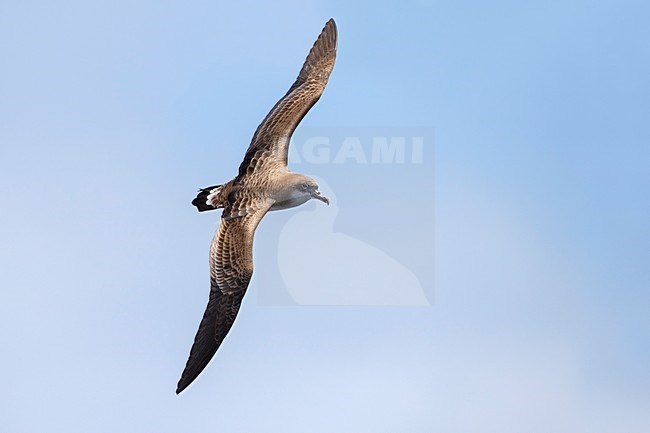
point(305, 186)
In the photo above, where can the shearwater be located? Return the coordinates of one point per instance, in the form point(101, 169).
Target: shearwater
point(264, 183)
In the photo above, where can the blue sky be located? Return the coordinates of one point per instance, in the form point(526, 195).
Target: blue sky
point(534, 193)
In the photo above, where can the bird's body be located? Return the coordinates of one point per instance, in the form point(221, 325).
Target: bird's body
point(264, 183)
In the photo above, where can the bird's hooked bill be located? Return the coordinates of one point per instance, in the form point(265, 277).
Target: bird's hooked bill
point(317, 195)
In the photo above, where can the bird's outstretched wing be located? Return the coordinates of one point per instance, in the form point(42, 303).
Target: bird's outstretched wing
point(231, 268)
point(270, 144)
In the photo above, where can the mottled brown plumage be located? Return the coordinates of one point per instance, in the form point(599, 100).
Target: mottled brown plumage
point(263, 184)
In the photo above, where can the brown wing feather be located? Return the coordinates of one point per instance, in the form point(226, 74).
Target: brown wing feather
point(270, 144)
point(231, 268)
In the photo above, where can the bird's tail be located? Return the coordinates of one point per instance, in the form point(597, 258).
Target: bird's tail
point(206, 198)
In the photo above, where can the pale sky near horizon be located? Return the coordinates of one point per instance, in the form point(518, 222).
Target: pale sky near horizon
point(531, 204)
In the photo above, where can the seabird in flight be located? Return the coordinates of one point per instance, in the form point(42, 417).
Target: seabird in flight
point(264, 183)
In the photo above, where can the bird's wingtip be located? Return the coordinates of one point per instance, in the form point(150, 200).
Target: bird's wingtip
point(181, 385)
point(331, 24)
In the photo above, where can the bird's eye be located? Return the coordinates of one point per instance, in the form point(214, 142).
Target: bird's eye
point(305, 186)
